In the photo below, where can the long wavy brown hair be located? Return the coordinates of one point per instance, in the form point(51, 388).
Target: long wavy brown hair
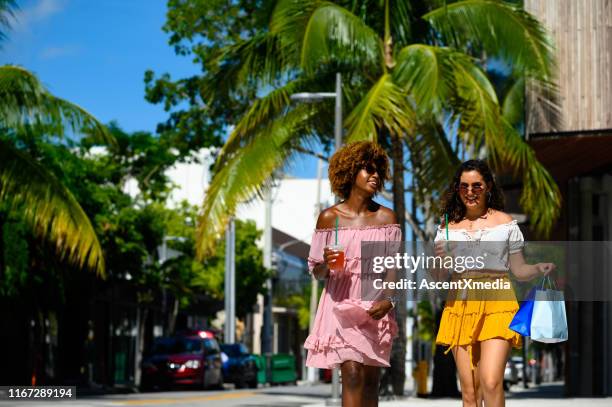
point(346, 163)
point(451, 201)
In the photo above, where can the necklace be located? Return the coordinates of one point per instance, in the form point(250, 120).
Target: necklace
point(483, 216)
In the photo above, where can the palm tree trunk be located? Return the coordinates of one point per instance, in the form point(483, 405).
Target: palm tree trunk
point(173, 315)
point(398, 351)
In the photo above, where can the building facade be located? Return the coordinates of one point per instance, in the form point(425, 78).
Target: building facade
point(576, 148)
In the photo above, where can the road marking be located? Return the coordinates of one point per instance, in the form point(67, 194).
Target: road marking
point(184, 399)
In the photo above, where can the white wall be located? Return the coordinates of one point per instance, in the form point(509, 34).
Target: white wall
point(293, 207)
point(294, 200)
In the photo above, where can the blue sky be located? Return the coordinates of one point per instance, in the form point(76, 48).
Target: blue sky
point(95, 53)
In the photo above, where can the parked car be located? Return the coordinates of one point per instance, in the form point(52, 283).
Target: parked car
point(510, 374)
point(183, 360)
point(239, 367)
point(325, 375)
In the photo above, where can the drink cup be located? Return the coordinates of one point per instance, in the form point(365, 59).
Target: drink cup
point(338, 264)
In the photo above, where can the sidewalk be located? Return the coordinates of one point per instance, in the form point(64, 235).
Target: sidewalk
point(548, 395)
point(528, 402)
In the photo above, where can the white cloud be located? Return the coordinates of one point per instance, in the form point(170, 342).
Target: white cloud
point(38, 11)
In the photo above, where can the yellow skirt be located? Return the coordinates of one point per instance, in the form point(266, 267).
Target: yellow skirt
point(475, 315)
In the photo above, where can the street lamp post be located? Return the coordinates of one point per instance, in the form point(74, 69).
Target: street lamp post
point(229, 332)
point(267, 334)
point(311, 97)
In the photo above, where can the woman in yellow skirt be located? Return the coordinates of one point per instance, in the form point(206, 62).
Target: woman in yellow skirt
point(474, 324)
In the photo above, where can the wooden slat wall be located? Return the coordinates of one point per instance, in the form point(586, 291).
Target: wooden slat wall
point(581, 31)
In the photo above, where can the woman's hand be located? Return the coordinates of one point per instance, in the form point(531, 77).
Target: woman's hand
point(380, 309)
point(443, 248)
point(526, 272)
point(330, 257)
point(322, 270)
point(545, 268)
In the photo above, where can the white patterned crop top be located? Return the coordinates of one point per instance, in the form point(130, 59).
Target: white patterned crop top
point(508, 235)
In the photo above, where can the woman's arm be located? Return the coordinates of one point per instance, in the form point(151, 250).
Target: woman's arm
point(321, 270)
point(525, 272)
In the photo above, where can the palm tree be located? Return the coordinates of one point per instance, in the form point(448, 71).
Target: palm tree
point(26, 107)
point(412, 71)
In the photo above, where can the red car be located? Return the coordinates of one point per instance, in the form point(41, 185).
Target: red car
point(183, 360)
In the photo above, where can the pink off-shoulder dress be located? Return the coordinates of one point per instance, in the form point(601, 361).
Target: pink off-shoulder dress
point(342, 329)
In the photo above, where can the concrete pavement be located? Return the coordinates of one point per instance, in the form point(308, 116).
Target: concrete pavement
point(547, 395)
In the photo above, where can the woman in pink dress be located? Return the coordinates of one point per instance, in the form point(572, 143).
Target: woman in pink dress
point(348, 332)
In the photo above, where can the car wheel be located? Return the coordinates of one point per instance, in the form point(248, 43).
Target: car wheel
point(253, 384)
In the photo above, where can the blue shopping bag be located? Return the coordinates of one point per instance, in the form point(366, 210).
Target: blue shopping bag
point(521, 322)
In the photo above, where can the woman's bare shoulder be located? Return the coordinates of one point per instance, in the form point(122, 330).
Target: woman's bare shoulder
point(326, 218)
point(386, 216)
point(500, 217)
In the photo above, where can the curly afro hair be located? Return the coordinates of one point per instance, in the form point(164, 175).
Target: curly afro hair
point(346, 163)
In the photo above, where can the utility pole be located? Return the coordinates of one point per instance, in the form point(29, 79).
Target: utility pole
point(230, 283)
point(314, 283)
point(310, 97)
point(267, 259)
point(335, 398)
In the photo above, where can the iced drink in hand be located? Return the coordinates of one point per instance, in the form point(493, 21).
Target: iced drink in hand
point(338, 263)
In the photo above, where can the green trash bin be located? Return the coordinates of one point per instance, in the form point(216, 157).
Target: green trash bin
point(260, 362)
point(282, 369)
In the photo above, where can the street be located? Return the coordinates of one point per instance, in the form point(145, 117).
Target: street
point(308, 396)
point(280, 396)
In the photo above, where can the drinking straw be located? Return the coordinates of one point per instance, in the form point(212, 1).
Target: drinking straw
point(336, 230)
point(446, 222)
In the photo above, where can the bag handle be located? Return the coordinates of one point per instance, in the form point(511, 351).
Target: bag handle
point(551, 283)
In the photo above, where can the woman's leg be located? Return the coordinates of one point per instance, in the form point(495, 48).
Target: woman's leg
point(476, 373)
point(353, 380)
point(493, 357)
point(467, 377)
point(370, 387)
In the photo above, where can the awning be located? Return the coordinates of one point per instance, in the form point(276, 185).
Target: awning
point(571, 154)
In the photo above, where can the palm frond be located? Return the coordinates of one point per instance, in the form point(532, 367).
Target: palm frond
point(323, 33)
point(7, 13)
point(246, 172)
point(540, 197)
point(261, 112)
point(502, 29)
point(472, 100)
point(425, 73)
point(25, 102)
point(384, 106)
point(475, 104)
point(401, 14)
point(288, 22)
point(443, 81)
point(433, 160)
point(513, 106)
point(51, 209)
point(258, 60)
